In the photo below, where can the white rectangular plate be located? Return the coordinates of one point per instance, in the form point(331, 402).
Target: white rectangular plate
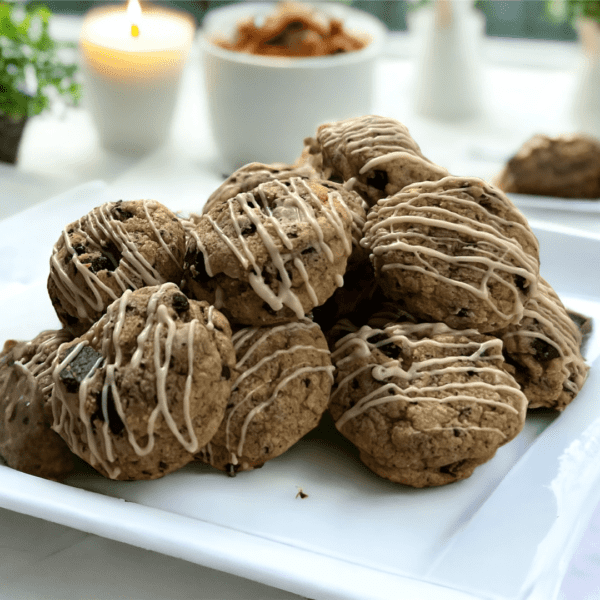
point(505, 533)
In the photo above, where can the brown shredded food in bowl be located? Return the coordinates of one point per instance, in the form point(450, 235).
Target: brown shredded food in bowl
point(293, 30)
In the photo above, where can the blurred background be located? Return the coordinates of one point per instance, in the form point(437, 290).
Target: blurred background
point(504, 18)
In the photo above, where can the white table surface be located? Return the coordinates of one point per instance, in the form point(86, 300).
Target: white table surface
point(60, 151)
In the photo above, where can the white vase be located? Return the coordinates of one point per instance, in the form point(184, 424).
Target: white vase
point(586, 102)
point(448, 82)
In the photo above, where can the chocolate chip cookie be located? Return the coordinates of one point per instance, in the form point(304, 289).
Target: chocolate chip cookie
point(116, 247)
point(27, 442)
point(146, 387)
point(282, 385)
point(270, 255)
point(544, 351)
point(567, 166)
point(456, 251)
point(374, 155)
point(424, 403)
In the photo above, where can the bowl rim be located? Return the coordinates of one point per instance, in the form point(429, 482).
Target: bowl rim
point(226, 17)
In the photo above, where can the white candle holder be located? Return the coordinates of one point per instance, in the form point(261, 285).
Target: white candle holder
point(132, 82)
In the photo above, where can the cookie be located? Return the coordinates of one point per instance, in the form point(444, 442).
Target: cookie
point(250, 176)
point(567, 166)
point(146, 387)
point(544, 351)
point(116, 247)
point(27, 442)
point(424, 403)
point(282, 385)
point(270, 255)
point(456, 251)
point(376, 155)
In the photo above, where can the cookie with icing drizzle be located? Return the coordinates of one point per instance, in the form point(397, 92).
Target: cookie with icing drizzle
point(27, 441)
point(374, 155)
point(544, 351)
point(272, 254)
point(250, 176)
point(116, 247)
point(566, 166)
point(424, 403)
point(456, 251)
point(282, 385)
point(146, 387)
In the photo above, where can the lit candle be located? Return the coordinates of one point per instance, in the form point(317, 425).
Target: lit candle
point(132, 61)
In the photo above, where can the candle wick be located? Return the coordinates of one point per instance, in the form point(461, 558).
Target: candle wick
point(135, 30)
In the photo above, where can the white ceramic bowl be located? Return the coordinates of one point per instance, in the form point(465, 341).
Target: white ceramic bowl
point(261, 108)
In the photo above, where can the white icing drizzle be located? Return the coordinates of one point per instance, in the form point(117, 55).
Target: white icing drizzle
point(491, 253)
point(150, 203)
point(296, 201)
point(209, 319)
point(349, 185)
point(357, 346)
point(206, 454)
point(219, 298)
point(247, 366)
point(158, 333)
point(97, 226)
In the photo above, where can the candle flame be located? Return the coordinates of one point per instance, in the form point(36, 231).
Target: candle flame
point(134, 14)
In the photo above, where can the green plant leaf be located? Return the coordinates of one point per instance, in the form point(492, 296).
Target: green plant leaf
point(26, 43)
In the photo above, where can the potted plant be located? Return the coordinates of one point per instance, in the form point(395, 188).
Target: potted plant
point(32, 71)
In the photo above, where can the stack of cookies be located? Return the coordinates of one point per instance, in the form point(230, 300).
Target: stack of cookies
point(364, 281)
